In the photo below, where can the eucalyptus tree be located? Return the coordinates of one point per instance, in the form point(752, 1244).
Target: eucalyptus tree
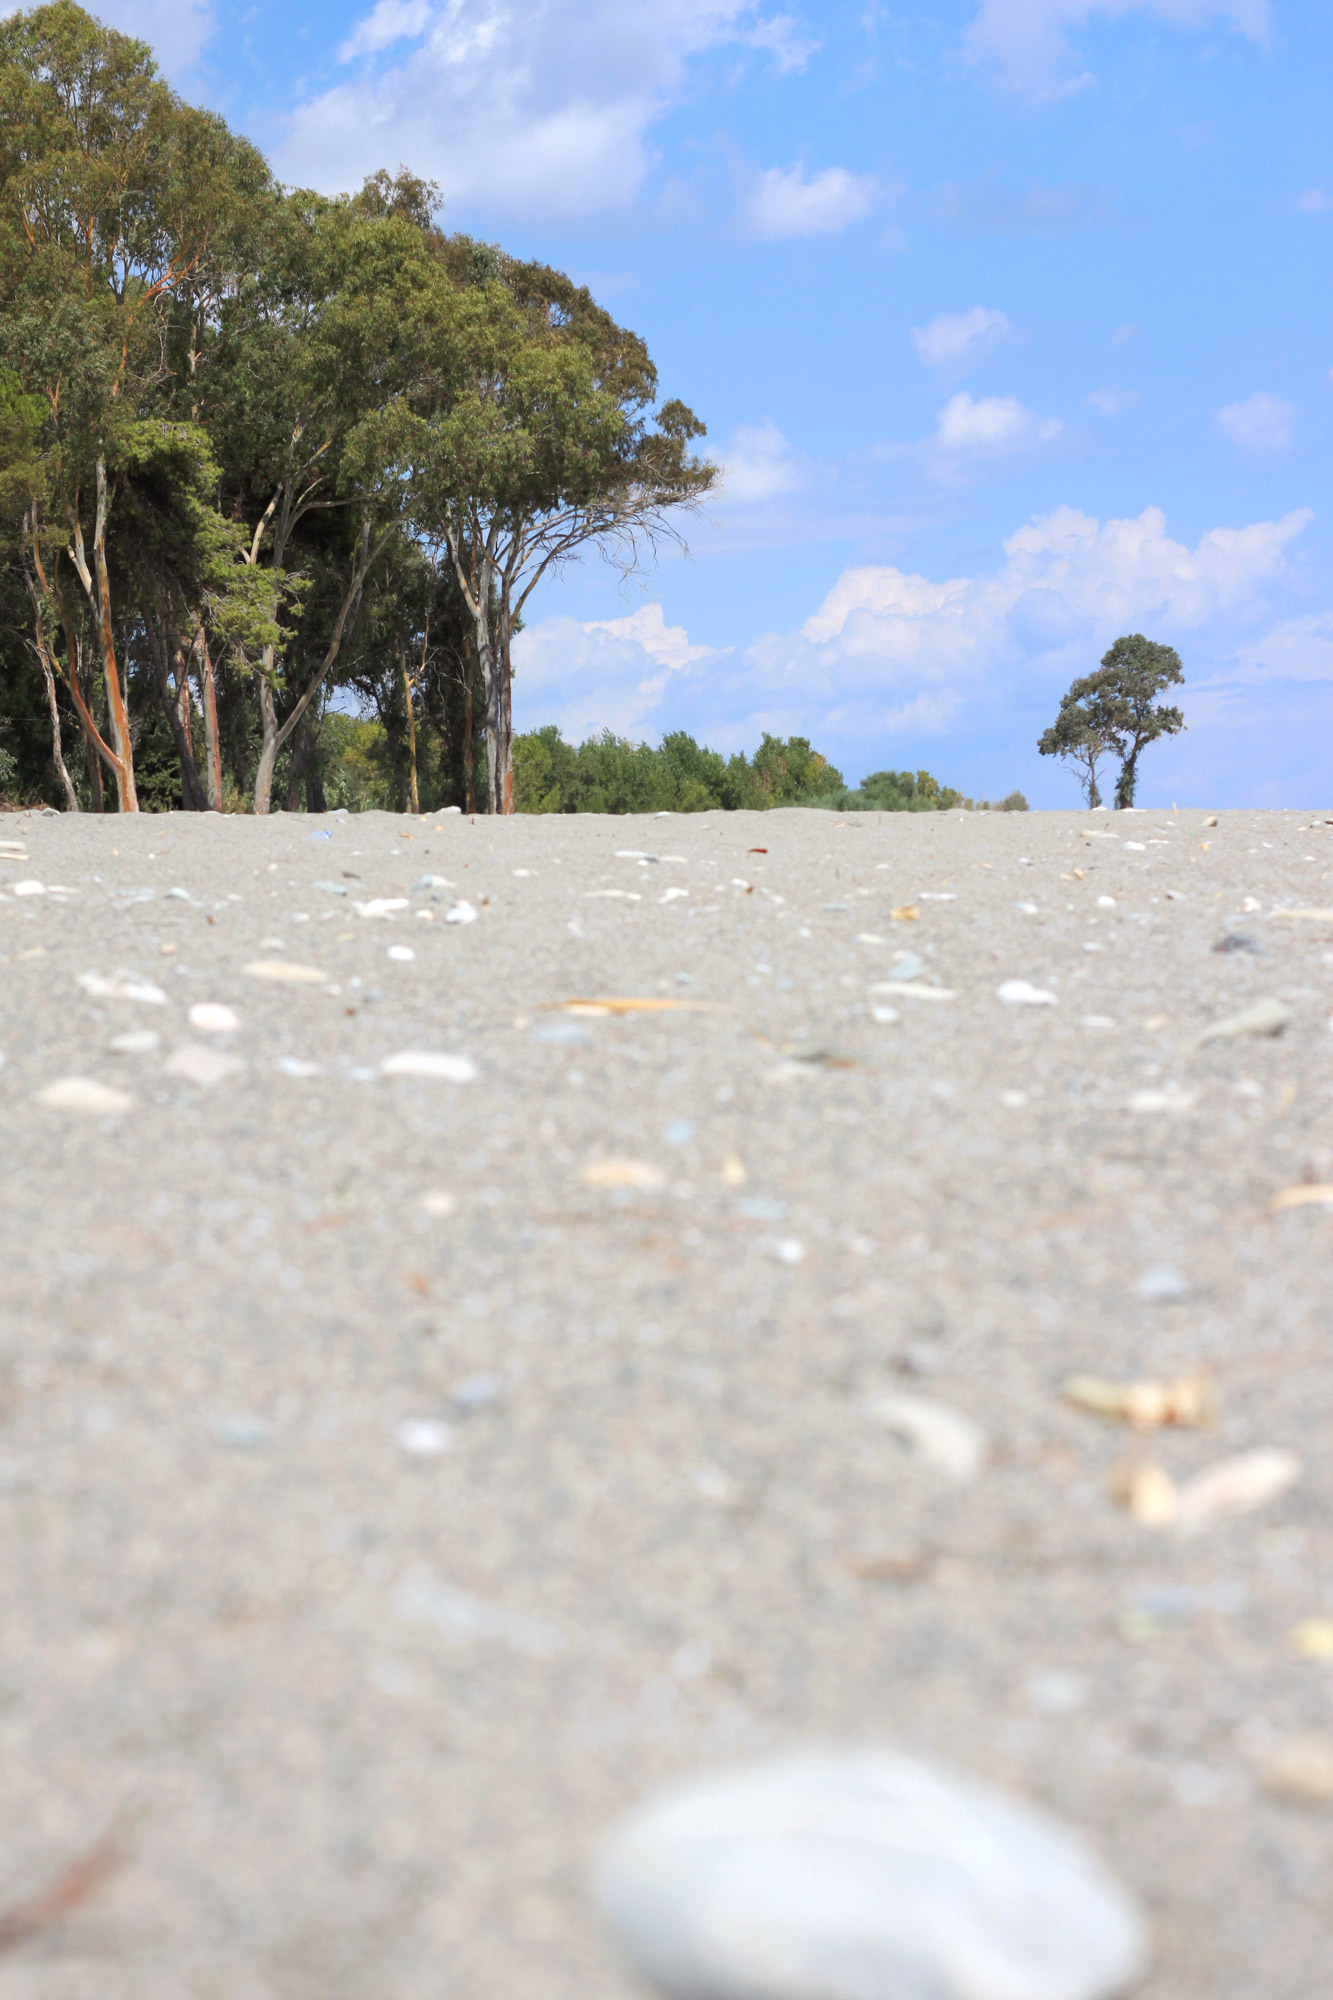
point(108, 199)
point(319, 355)
point(541, 443)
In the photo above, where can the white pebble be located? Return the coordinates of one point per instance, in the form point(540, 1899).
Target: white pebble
point(123, 986)
point(401, 952)
point(789, 1251)
point(81, 1094)
point(935, 1433)
point(210, 1017)
point(27, 888)
point(862, 1875)
point(439, 1203)
point(380, 906)
point(204, 1067)
point(461, 913)
point(423, 1437)
point(422, 1062)
point(138, 1042)
point(1022, 993)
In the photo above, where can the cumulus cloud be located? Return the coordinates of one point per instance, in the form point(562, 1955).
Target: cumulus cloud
point(1262, 423)
point(1110, 402)
point(521, 108)
point(786, 203)
point(175, 30)
point(391, 21)
point(759, 465)
point(960, 340)
point(1029, 42)
point(991, 427)
point(889, 656)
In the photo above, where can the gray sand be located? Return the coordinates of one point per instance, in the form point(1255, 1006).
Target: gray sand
point(356, 1708)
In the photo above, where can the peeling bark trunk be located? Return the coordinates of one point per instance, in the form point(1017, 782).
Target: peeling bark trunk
point(193, 797)
point(209, 705)
point(127, 798)
point(57, 748)
point(412, 797)
point(268, 747)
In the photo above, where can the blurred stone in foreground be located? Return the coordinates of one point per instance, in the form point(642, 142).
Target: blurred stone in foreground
point(862, 1875)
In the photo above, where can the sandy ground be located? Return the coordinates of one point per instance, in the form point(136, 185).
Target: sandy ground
point(362, 1562)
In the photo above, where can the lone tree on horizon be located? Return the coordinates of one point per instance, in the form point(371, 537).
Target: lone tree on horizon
point(1116, 710)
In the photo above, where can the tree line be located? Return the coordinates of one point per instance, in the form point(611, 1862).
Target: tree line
point(258, 445)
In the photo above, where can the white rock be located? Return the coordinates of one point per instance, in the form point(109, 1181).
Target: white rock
point(380, 906)
point(27, 888)
point(439, 1203)
point(1171, 1100)
point(935, 1432)
point(423, 1062)
point(138, 1042)
point(461, 913)
point(205, 1067)
point(402, 952)
point(1022, 993)
point(424, 1437)
point(862, 1875)
point(1234, 1486)
point(122, 986)
point(210, 1017)
point(282, 972)
point(1265, 1017)
point(81, 1094)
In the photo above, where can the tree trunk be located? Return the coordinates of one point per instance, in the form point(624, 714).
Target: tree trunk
point(57, 749)
point(274, 737)
point(209, 704)
point(268, 748)
point(193, 797)
point(469, 759)
point(127, 798)
point(413, 800)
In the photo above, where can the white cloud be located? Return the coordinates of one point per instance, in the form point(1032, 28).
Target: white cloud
point(521, 108)
point(785, 203)
point(991, 427)
point(1262, 423)
point(889, 656)
point(758, 466)
point(175, 30)
point(1029, 40)
point(960, 340)
point(391, 21)
point(1315, 201)
point(1110, 402)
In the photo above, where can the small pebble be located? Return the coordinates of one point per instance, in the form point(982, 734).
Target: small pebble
point(210, 1017)
point(862, 1875)
point(422, 1062)
point(204, 1067)
point(402, 952)
point(1022, 993)
point(423, 1437)
point(82, 1095)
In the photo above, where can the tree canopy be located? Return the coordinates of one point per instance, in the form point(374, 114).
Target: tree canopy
point(1116, 710)
point(263, 453)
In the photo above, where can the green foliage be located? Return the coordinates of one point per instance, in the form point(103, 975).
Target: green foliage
point(609, 774)
point(892, 791)
point(9, 771)
point(1116, 710)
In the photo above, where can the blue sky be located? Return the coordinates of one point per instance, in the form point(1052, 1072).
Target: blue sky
point(1011, 322)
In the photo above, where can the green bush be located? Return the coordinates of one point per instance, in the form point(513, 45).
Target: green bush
point(609, 774)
